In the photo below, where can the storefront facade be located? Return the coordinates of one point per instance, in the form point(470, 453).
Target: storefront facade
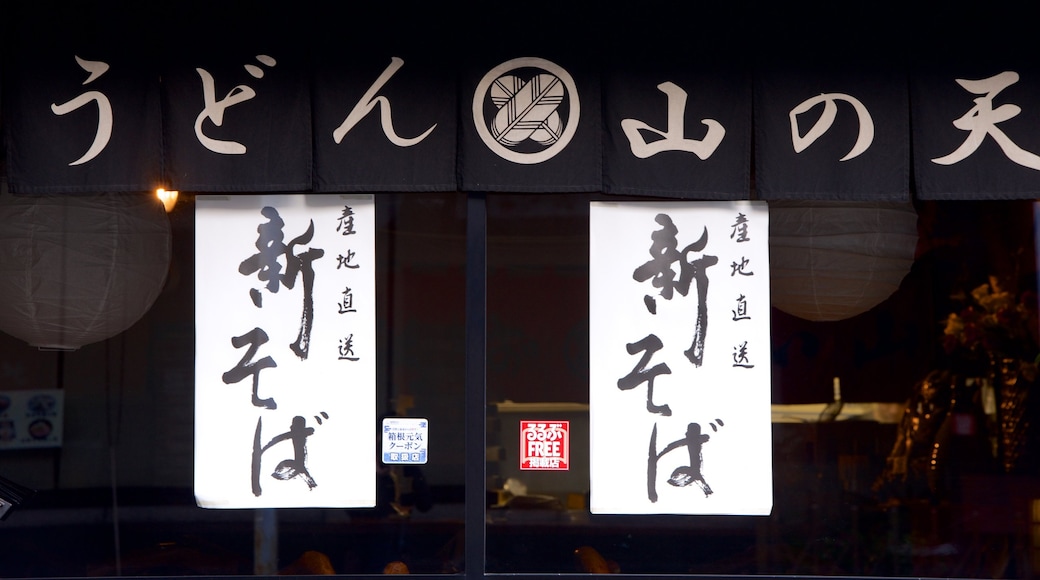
point(482, 167)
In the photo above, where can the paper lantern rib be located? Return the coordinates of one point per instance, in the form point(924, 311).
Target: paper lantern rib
point(88, 266)
point(833, 260)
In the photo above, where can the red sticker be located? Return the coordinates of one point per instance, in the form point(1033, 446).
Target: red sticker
point(545, 445)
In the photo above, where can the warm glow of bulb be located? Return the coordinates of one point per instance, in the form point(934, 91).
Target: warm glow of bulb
point(168, 198)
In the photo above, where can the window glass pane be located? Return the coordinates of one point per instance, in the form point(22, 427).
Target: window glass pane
point(537, 371)
point(116, 496)
point(899, 448)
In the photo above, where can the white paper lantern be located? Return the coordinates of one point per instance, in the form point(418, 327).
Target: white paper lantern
point(834, 260)
point(78, 269)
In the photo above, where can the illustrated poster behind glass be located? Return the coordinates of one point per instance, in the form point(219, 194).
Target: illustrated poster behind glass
point(679, 358)
point(285, 351)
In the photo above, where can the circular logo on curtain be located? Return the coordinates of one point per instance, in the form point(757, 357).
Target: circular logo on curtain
point(526, 110)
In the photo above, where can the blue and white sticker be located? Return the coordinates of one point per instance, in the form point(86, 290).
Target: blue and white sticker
point(405, 440)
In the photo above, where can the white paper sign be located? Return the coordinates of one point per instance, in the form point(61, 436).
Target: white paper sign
point(285, 351)
point(679, 407)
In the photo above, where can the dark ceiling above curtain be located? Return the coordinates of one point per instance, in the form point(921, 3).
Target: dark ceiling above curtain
point(733, 102)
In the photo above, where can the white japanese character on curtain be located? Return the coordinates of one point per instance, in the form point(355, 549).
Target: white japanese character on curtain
point(96, 68)
point(982, 119)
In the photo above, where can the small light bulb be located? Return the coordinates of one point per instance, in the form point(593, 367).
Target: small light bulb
point(168, 198)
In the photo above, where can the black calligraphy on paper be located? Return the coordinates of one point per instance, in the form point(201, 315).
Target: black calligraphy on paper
point(346, 349)
point(346, 261)
point(246, 366)
point(648, 346)
point(268, 269)
point(740, 229)
point(345, 224)
point(684, 475)
point(664, 250)
point(741, 312)
point(288, 468)
point(347, 303)
point(740, 267)
point(740, 358)
point(693, 264)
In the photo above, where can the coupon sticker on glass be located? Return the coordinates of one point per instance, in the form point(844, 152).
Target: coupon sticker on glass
point(405, 440)
point(545, 445)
